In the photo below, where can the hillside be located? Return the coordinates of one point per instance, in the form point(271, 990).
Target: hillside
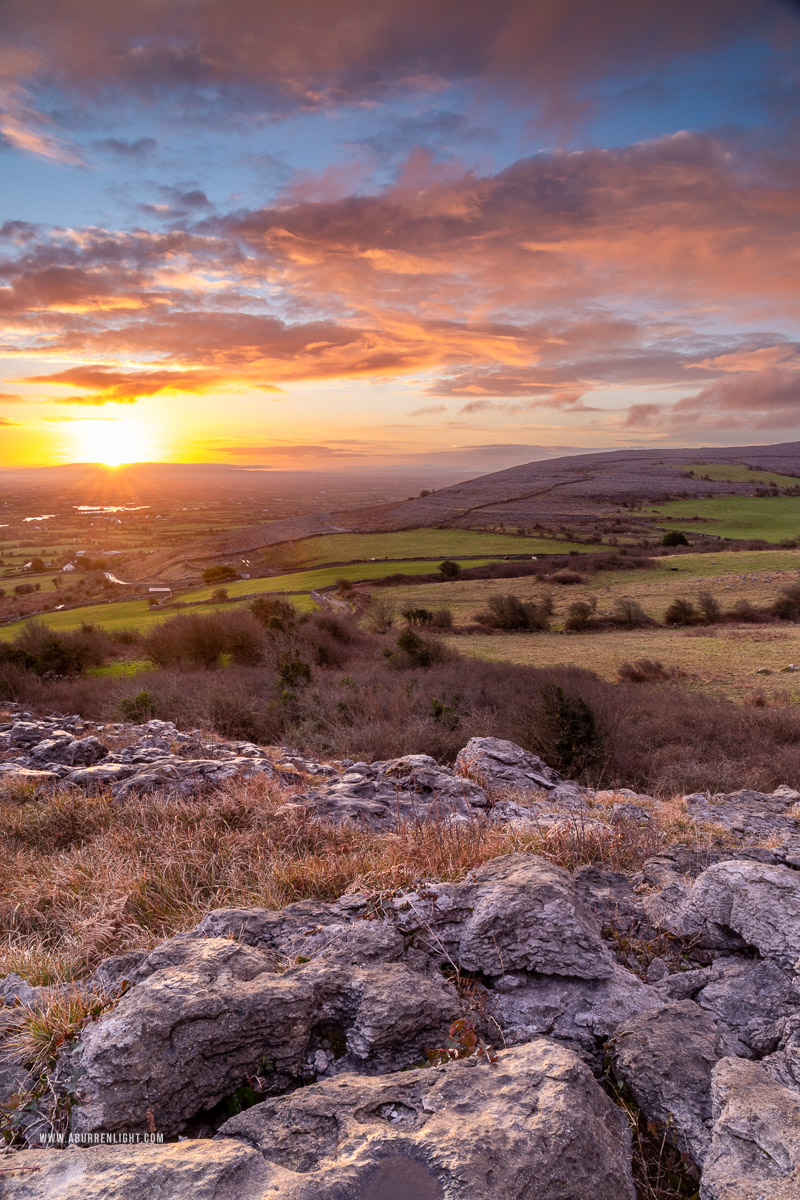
point(586, 493)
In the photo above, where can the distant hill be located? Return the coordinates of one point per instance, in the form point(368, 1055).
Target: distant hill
point(586, 493)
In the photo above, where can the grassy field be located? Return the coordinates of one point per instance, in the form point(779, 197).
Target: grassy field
point(427, 543)
point(308, 581)
point(724, 662)
point(755, 575)
point(738, 473)
point(127, 614)
point(770, 518)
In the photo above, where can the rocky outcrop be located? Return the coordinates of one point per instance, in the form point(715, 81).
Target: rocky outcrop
point(666, 1056)
point(536, 1122)
point(325, 1015)
point(750, 815)
point(411, 788)
point(755, 1147)
point(214, 1013)
point(734, 905)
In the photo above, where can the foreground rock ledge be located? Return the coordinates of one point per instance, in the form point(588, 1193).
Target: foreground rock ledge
point(534, 1124)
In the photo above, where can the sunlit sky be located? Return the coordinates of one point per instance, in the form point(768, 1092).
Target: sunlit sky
point(393, 231)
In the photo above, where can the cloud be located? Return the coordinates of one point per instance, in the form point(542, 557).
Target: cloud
point(767, 399)
point(11, 398)
point(428, 410)
point(300, 450)
point(107, 386)
point(24, 128)
point(249, 56)
point(137, 150)
point(7, 421)
point(539, 286)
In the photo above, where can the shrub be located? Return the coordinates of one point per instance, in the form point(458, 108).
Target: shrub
point(220, 574)
point(630, 614)
point(139, 708)
point(746, 612)
point(293, 671)
point(647, 670)
point(243, 638)
point(196, 640)
point(674, 538)
point(568, 733)
point(219, 596)
point(417, 616)
point(710, 608)
point(449, 569)
point(274, 613)
point(579, 616)
point(567, 577)
point(381, 614)
point(681, 612)
point(41, 650)
point(509, 612)
point(442, 619)
point(414, 650)
point(787, 605)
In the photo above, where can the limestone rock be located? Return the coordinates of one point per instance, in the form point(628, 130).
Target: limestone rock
point(579, 1013)
point(755, 815)
point(735, 904)
point(666, 1056)
point(379, 794)
point(190, 1170)
point(73, 752)
point(536, 1123)
point(213, 1012)
point(495, 763)
point(755, 1148)
point(516, 912)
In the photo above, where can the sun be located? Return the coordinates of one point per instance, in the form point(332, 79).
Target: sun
point(113, 441)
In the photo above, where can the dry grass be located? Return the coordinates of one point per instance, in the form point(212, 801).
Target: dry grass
point(86, 878)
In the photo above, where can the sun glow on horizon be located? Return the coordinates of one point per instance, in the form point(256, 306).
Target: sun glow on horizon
point(112, 441)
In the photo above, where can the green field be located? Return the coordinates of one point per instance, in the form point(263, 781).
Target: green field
point(309, 581)
point(739, 473)
point(423, 543)
point(128, 614)
point(769, 518)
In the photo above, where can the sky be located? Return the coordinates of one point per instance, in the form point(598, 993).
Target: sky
point(396, 232)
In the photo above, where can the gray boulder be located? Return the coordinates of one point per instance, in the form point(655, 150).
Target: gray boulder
point(190, 1170)
point(755, 1148)
point(517, 912)
point(213, 1012)
point(183, 777)
point(536, 1123)
point(752, 1000)
point(494, 763)
point(666, 1056)
point(578, 1013)
point(70, 751)
point(735, 904)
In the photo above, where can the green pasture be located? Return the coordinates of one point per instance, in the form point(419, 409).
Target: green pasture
point(308, 581)
point(421, 543)
point(127, 614)
point(739, 473)
point(769, 518)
